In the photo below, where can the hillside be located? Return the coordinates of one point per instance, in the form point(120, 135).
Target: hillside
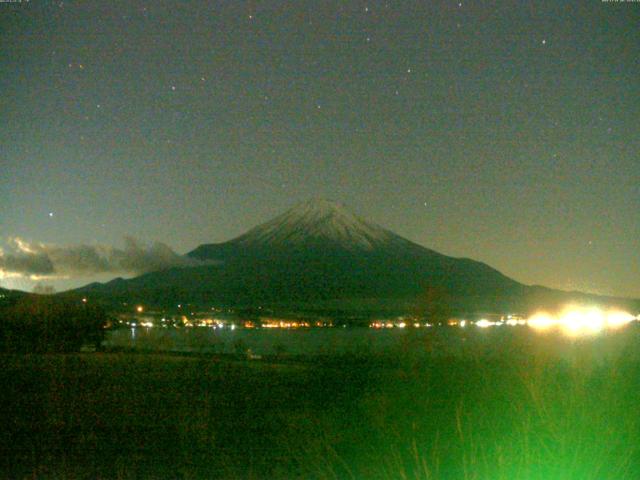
point(319, 253)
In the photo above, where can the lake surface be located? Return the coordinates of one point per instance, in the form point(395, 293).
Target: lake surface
point(428, 342)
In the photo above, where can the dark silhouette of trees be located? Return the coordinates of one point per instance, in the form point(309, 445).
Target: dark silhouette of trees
point(41, 324)
point(435, 304)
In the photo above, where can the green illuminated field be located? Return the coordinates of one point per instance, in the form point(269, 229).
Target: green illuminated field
point(514, 415)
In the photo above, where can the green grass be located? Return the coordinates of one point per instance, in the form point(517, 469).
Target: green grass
point(515, 414)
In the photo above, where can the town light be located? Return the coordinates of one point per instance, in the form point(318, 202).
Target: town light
point(484, 323)
point(541, 321)
point(577, 320)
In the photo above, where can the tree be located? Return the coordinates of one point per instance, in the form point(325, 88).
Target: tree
point(435, 303)
point(49, 324)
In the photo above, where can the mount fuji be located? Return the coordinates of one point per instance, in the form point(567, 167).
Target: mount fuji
point(318, 254)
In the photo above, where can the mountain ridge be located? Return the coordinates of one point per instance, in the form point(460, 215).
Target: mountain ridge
point(317, 252)
point(311, 224)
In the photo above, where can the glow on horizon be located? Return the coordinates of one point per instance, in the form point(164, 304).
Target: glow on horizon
point(542, 321)
point(577, 320)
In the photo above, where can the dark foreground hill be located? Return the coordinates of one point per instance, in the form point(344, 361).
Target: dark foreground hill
point(9, 297)
point(320, 255)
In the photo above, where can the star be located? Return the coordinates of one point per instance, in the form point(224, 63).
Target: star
point(173, 88)
point(544, 41)
point(50, 214)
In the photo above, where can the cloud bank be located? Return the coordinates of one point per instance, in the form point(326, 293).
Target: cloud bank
point(40, 261)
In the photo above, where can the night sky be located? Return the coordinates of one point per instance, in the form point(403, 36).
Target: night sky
point(504, 131)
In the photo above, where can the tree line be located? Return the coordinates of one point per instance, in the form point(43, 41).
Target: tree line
point(41, 324)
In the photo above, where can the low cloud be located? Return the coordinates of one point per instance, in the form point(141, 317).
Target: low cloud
point(40, 260)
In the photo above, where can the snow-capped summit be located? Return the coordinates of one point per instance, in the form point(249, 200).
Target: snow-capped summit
point(318, 221)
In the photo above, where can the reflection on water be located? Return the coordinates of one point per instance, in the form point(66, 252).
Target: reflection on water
point(436, 341)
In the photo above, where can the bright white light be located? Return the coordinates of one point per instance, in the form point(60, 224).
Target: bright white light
point(576, 320)
point(484, 323)
point(594, 320)
point(571, 322)
point(617, 319)
point(542, 321)
point(463, 323)
point(402, 325)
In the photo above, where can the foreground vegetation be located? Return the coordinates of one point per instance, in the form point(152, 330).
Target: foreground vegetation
point(514, 414)
point(42, 323)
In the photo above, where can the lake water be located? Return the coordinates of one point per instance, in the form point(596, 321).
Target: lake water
point(435, 341)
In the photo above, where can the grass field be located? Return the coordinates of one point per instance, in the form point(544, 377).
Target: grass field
point(513, 415)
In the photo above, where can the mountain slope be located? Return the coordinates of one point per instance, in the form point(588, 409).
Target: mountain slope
point(320, 252)
point(316, 224)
